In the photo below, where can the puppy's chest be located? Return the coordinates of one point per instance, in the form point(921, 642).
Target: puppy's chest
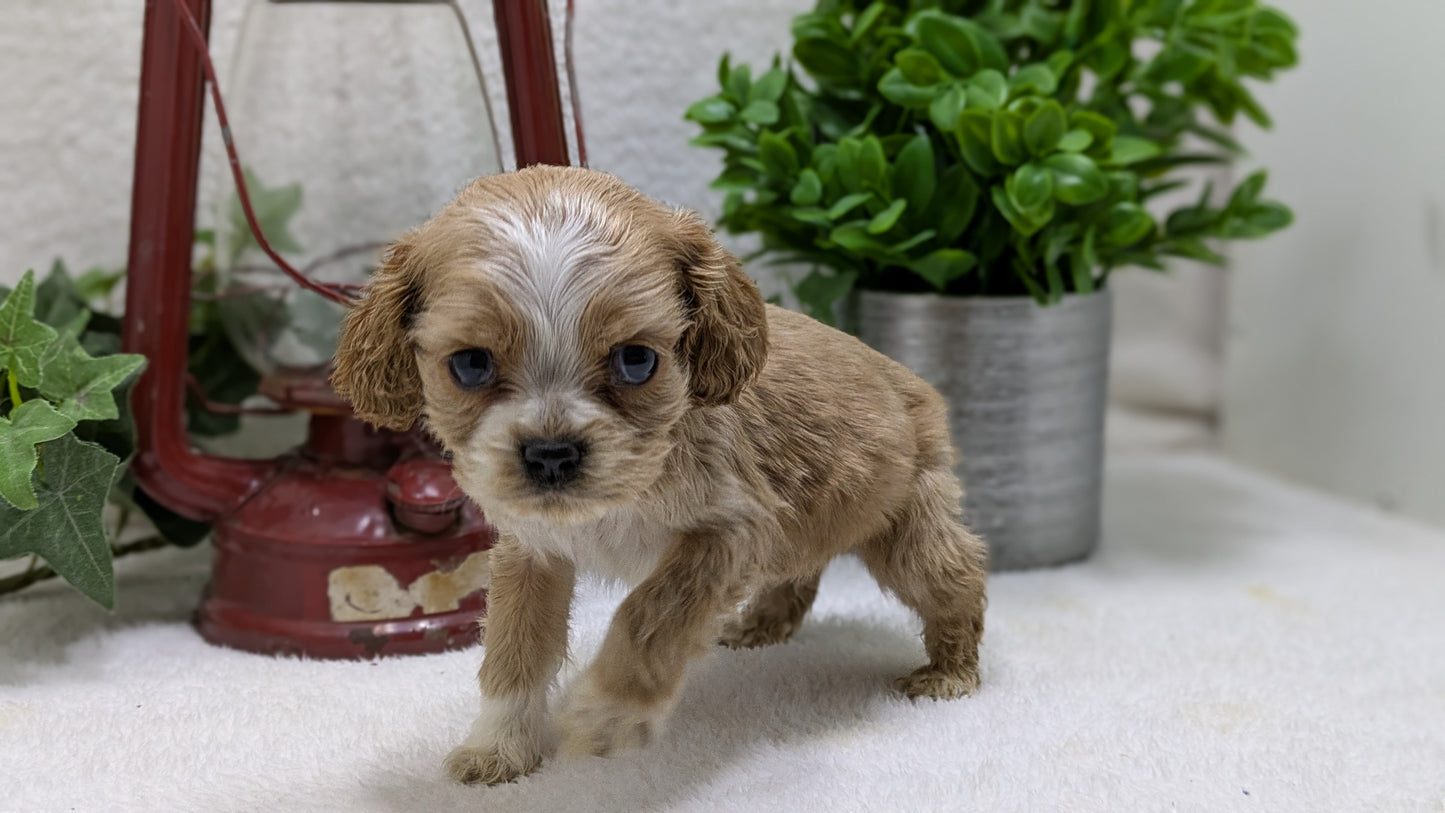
point(622, 546)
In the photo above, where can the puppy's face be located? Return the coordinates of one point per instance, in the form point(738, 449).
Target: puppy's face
point(554, 325)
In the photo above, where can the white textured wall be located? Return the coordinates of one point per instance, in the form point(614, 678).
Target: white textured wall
point(68, 73)
point(1336, 354)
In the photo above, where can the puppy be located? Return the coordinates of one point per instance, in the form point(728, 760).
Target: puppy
point(617, 397)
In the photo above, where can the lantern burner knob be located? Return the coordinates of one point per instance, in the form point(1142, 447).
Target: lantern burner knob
point(423, 496)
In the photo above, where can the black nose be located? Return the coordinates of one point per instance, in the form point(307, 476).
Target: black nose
point(551, 462)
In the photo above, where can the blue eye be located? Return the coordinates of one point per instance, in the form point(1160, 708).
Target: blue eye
point(472, 368)
point(633, 363)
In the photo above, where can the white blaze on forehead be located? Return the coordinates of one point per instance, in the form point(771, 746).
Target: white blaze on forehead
point(550, 271)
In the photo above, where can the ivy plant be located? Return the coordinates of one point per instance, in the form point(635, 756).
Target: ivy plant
point(57, 461)
point(993, 147)
point(66, 431)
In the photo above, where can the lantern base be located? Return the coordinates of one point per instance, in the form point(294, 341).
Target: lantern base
point(320, 563)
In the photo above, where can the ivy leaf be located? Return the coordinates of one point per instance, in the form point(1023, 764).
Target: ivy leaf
point(81, 384)
point(65, 528)
point(57, 300)
point(33, 423)
point(22, 339)
point(274, 208)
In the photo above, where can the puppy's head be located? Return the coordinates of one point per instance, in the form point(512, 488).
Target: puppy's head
point(553, 325)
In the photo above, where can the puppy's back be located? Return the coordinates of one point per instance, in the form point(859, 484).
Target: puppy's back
point(840, 431)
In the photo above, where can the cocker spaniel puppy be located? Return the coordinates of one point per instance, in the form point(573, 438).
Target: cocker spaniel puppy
point(617, 397)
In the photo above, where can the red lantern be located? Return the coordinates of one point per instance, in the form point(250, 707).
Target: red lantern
point(357, 543)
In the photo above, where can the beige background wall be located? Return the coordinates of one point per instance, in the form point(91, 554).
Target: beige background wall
point(1336, 351)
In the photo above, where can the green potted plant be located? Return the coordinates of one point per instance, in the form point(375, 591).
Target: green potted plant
point(964, 175)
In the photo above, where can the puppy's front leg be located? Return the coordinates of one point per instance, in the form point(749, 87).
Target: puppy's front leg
point(526, 638)
point(671, 617)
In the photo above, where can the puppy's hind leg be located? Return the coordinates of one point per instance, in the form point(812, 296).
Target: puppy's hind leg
point(938, 567)
point(773, 615)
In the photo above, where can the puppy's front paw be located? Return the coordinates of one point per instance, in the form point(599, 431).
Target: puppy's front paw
point(593, 724)
point(487, 765)
point(939, 684)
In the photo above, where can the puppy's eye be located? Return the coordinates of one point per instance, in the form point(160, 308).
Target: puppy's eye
point(471, 368)
point(633, 363)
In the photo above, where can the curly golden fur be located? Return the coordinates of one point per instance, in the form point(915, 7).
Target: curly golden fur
point(760, 445)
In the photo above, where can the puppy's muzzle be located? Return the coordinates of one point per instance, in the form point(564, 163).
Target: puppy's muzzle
point(552, 463)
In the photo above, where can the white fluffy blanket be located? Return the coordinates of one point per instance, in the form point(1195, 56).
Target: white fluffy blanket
point(1235, 645)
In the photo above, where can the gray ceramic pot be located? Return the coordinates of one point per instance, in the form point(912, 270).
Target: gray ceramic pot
point(1026, 387)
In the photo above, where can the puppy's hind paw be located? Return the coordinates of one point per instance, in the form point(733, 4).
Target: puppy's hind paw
point(939, 684)
point(755, 632)
point(594, 725)
point(475, 765)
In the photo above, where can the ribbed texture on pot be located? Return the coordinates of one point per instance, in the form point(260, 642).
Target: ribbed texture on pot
point(1027, 388)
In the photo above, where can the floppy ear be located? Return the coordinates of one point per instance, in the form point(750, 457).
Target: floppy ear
point(727, 340)
point(375, 366)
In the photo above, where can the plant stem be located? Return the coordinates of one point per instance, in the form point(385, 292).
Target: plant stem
point(14, 391)
point(35, 574)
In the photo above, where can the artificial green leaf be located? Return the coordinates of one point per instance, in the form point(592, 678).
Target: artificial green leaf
point(826, 60)
point(736, 139)
point(944, 265)
point(975, 141)
point(274, 207)
point(1248, 190)
point(1044, 127)
point(885, 220)
point(914, 174)
point(1031, 189)
point(760, 112)
point(866, 19)
point(896, 88)
point(1126, 223)
point(812, 215)
point(1037, 77)
point(769, 87)
point(738, 177)
point(872, 166)
point(32, 423)
point(961, 45)
point(1021, 222)
point(1108, 60)
point(819, 292)
point(919, 67)
point(953, 205)
point(713, 110)
point(81, 385)
point(1131, 150)
point(1075, 141)
point(918, 239)
point(848, 203)
point(1077, 179)
point(987, 89)
point(855, 236)
point(777, 155)
point(1007, 137)
point(22, 339)
point(739, 83)
point(65, 527)
point(1101, 128)
point(945, 108)
point(808, 190)
point(846, 164)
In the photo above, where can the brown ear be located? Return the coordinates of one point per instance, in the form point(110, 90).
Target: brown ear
point(375, 364)
point(727, 342)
